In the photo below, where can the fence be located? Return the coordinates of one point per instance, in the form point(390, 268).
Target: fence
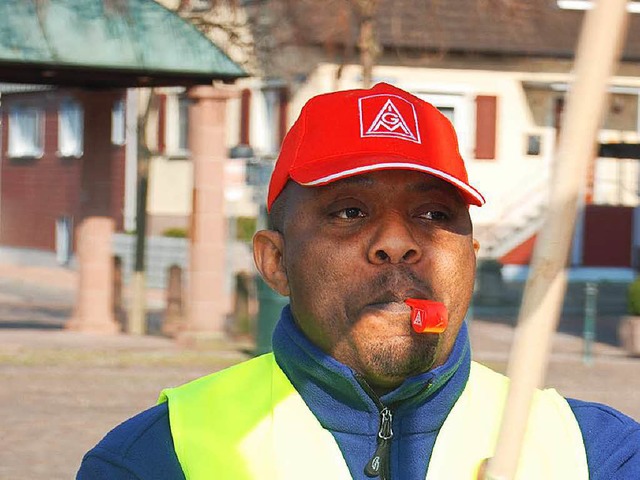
point(161, 253)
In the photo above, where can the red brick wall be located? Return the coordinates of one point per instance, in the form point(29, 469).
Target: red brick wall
point(34, 192)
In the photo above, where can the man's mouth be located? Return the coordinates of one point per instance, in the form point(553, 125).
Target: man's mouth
point(424, 316)
point(390, 307)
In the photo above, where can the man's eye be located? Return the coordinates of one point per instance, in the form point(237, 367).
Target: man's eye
point(435, 215)
point(351, 212)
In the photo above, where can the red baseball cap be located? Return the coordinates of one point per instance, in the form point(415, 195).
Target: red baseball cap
point(351, 132)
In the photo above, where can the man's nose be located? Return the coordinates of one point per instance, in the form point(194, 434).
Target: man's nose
point(393, 242)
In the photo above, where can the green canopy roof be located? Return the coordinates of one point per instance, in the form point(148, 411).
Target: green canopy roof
point(110, 42)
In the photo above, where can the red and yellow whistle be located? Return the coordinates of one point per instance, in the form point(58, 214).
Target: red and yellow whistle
point(427, 316)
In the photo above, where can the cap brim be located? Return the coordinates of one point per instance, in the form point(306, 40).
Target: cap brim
point(320, 175)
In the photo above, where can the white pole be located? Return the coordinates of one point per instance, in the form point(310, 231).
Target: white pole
point(598, 49)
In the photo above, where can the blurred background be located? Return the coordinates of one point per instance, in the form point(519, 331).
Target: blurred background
point(136, 142)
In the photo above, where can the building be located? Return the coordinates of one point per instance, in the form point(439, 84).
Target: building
point(499, 71)
point(54, 162)
point(72, 136)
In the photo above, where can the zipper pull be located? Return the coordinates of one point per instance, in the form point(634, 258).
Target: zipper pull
point(378, 466)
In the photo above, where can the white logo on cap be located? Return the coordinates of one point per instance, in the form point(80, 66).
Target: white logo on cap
point(418, 320)
point(389, 121)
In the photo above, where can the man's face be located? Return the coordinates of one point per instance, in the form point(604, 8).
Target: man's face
point(355, 249)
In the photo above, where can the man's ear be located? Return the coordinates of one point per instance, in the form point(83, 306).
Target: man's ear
point(268, 255)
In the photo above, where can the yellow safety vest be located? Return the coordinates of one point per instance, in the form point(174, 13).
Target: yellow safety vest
point(248, 422)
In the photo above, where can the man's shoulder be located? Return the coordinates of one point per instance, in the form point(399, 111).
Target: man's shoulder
point(254, 375)
point(139, 448)
point(611, 439)
point(598, 412)
point(148, 428)
point(598, 421)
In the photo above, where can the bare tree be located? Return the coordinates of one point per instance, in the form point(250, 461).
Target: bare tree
point(368, 43)
point(147, 102)
point(279, 39)
point(225, 22)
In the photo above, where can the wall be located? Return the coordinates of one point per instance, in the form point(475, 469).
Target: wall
point(169, 194)
point(171, 189)
point(34, 192)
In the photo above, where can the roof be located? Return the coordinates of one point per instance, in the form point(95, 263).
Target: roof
point(532, 28)
point(105, 43)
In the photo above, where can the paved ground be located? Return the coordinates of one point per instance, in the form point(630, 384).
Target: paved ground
point(61, 391)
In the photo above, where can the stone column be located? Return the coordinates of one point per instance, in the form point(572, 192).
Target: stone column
point(98, 212)
point(206, 301)
point(93, 312)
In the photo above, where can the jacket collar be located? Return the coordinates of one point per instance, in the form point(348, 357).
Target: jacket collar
point(333, 393)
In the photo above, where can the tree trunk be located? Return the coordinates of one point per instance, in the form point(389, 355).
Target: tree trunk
point(368, 44)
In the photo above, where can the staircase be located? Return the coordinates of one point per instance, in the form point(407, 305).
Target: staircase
point(521, 217)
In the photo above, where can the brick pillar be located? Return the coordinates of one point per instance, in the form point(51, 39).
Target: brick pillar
point(93, 312)
point(207, 301)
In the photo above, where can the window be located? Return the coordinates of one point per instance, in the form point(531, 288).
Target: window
point(458, 110)
point(183, 126)
point(534, 144)
point(70, 129)
point(277, 105)
point(118, 123)
point(632, 6)
point(26, 130)
point(173, 123)
point(448, 112)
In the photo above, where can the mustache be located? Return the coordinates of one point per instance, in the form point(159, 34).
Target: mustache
point(395, 285)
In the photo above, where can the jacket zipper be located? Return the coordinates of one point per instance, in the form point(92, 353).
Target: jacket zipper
point(379, 465)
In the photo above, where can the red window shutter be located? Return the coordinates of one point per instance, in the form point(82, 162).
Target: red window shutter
point(486, 120)
point(245, 111)
point(162, 123)
point(283, 112)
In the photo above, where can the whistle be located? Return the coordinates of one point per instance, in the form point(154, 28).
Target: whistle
point(427, 316)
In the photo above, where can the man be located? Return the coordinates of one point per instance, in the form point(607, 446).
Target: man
point(369, 204)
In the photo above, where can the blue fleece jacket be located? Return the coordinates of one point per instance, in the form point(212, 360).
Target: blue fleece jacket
point(142, 448)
